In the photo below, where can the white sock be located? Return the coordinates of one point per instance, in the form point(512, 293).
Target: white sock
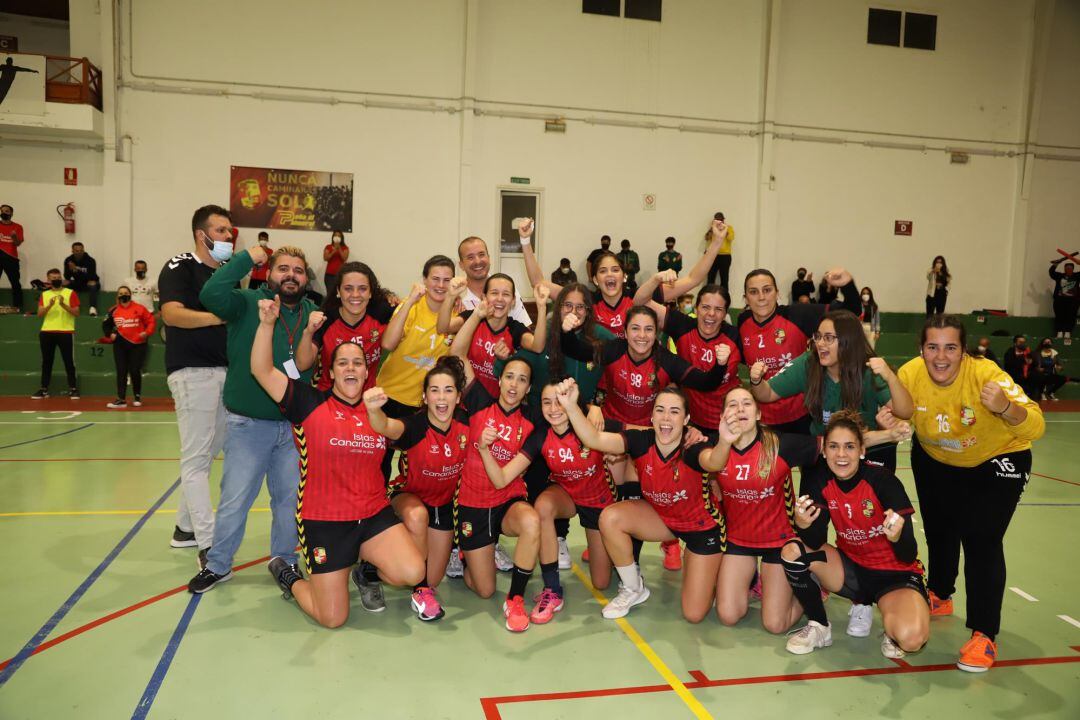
point(630, 576)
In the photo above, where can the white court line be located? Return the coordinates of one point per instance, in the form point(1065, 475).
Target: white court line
point(1024, 595)
point(1070, 620)
point(85, 421)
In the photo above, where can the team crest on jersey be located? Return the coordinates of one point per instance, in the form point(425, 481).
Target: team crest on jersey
point(589, 366)
point(868, 508)
point(585, 452)
point(780, 336)
point(320, 556)
point(462, 439)
point(466, 529)
point(967, 416)
point(520, 431)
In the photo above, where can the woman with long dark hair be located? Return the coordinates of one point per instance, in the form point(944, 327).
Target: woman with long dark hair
point(870, 316)
point(937, 286)
point(336, 254)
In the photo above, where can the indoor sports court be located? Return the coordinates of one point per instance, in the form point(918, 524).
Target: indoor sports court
point(903, 163)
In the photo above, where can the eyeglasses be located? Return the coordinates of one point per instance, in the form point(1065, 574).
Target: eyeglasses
point(574, 307)
point(827, 338)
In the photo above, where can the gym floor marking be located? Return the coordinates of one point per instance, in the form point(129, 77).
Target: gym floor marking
point(1024, 595)
point(1070, 620)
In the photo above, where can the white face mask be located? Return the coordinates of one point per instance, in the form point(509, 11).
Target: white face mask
point(866, 298)
point(264, 243)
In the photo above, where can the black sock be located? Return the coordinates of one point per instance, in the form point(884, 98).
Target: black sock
point(419, 585)
point(806, 591)
point(519, 578)
point(369, 571)
point(562, 527)
point(637, 549)
point(550, 573)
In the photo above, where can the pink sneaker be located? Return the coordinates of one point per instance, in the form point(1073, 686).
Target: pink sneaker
point(517, 620)
point(547, 604)
point(426, 605)
point(755, 589)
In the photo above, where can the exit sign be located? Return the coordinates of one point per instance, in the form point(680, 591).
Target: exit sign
point(520, 180)
point(902, 227)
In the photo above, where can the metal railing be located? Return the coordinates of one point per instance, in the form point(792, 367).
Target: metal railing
point(72, 80)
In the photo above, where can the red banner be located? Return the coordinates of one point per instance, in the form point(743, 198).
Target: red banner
point(290, 199)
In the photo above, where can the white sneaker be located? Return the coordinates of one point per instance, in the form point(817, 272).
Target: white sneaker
point(503, 561)
point(93, 311)
point(860, 618)
point(809, 638)
point(890, 649)
point(564, 555)
point(454, 568)
point(626, 598)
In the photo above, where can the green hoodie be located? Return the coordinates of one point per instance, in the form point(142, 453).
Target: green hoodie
point(240, 311)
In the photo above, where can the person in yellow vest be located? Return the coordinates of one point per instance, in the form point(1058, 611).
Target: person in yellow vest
point(722, 264)
point(971, 458)
point(58, 307)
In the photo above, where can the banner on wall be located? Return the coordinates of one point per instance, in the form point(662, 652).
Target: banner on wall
point(291, 199)
point(22, 84)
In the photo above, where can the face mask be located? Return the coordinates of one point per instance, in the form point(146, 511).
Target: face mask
point(6, 217)
point(866, 298)
point(220, 250)
point(564, 270)
point(802, 274)
point(1046, 345)
point(56, 283)
point(140, 274)
point(1021, 346)
point(336, 241)
point(687, 308)
point(264, 243)
point(124, 298)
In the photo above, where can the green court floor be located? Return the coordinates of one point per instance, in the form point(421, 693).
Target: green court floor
point(96, 595)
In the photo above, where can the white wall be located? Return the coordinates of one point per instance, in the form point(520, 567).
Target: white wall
point(36, 35)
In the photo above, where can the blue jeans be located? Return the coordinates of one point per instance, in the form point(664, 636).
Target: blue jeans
point(256, 448)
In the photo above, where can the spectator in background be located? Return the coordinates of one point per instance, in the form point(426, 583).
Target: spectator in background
point(802, 287)
point(605, 246)
point(1020, 367)
point(335, 254)
point(983, 349)
point(258, 275)
point(722, 264)
point(131, 326)
point(143, 290)
point(669, 259)
point(937, 286)
point(11, 237)
point(80, 274)
point(686, 304)
point(1066, 297)
point(1049, 369)
point(564, 274)
point(58, 307)
point(870, 317)
point(631, 264)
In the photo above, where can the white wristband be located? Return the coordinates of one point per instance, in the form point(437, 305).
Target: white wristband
point(526, 240)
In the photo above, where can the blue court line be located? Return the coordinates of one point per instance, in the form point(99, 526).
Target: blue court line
point(162, 668)
point(47, 437)
point(40, 636)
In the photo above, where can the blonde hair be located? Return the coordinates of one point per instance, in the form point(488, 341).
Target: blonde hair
point(290, 251)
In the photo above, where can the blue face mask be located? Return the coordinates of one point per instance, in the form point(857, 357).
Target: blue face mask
point(220, 250)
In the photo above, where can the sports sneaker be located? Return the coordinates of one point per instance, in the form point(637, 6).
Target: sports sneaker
point(285, 575)
point(371, 592)
point(889, 648)
point(860, 618)
point(672, 555)
point(137, 402)
point(517, 620)
point(40, 394)
point(1051, 396)
point(564, 555)
point(978, 654)
point(454, 568)
point(74, 394)
point(625, 599)
point(809, 638)
point(426, 605)
point(548, 603)
point(939, 607)
point(205, 580)
point(755, 589)
point(503, 561)
point(202, 558)
point(117, 403)
point(93, 311)
point(585, 555)
point(182, 538)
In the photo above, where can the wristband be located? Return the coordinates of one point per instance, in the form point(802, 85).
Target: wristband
point(526, 240)
point(755, 384)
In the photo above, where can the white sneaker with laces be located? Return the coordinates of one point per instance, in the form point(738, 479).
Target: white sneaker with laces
point(564, 555)
point(625, 599)
point(454, 568)
point(860, 618)
point(503, 561)
point(809, 638)
point(890, 649)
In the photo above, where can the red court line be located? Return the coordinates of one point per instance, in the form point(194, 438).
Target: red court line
point(120, 613)
point(491, 709)
point(1050, 477)
point(112, 459)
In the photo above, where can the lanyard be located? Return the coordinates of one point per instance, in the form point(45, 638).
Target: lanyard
point(291, 333)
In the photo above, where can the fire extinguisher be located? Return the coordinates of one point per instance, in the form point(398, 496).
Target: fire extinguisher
point(67, 214)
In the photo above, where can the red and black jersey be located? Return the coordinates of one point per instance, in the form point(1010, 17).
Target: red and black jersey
point(341, 477)
point(613, 317)
point(577, 469)
point(514, 428)
point(482, 349)
point(367, 333)
point(759, 509)
point(675, 485)
point(856, 508)
point(783, 337)
point(706, 406)
point(431, 459)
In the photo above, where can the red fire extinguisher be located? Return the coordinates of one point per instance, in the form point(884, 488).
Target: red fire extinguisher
point(67, 214)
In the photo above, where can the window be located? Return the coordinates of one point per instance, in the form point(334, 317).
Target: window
point(601, 7)
point(883, 27)
point(920, 31)
point(643, 9)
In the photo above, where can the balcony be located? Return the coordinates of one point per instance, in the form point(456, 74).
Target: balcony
point(72, 80)
point(73, 95)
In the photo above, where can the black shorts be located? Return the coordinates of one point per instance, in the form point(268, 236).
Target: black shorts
point(589, 517)
point(702, 542)
point(480, 527)
point(330, 545)
point(882, 456)
point(767, 555)
point(396, 410)
point(865, 586)
point(629, 491)
point(439, 517)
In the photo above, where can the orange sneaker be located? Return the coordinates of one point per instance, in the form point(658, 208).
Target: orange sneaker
point(585, 555)
point(939, 607)
point(672, 555)
point(978, 654)
point(517, 620)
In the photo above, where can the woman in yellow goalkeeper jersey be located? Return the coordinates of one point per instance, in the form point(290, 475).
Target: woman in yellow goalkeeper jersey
point(971, 458)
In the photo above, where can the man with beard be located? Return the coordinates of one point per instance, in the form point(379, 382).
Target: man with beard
point(259, 440)
point(473, 258)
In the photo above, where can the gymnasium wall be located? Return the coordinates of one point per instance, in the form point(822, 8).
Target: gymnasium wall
point(774, 112)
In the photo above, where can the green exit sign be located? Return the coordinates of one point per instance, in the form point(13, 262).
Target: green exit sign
point(520, 180)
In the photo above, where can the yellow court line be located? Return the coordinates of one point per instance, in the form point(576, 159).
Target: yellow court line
point(681, 690)
point(69, 513)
